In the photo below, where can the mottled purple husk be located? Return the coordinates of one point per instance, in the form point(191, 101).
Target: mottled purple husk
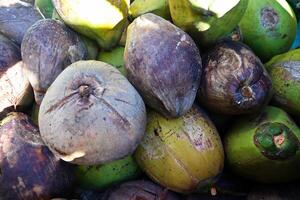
point(142, 190)
point(15, 90)
point(47, 49)
point(227, 68)
point(29, 171)
point(16, 17)
point(163, 63)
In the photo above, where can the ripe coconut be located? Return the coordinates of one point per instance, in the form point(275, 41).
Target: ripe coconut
point(16, 17)
point(163, 63)
point(234, 80)
point(92, 115)
point(15, 89)
point(47, 48)
point(28, 170)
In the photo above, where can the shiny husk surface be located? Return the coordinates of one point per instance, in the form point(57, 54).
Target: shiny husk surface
point(253, 154)
point(268, 27)
point(284, 70)
point(181, 154)
point(158, 7)
point(207, 21)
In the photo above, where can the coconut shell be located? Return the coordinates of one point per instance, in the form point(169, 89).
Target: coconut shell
point(163, 63)
point(15, 90)
point(140, 189)
point(234, 80)
point(29, 171)
point(92, 115)
point(47, 49)
point(16, 17)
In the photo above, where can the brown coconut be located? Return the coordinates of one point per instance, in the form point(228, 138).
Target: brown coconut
point(92, 115)
point(28, 170)
point(16, 17)
point(163, 63)
point(15, 90)
point(234, 81)
point(47, 49)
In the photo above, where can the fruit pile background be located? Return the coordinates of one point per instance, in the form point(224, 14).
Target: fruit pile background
point(149, 99)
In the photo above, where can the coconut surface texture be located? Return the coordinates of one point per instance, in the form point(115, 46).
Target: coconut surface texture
point(92, 115)
point(264, 147)
point(269, 27)
point(183, 154)
point(234, 80)
point(15, 89)
point(29, 171)
point(284, 70)
point(47, 48)
point(16, 17)
point(163, 63)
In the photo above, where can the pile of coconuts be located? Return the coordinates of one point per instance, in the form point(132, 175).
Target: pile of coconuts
point(149, 99)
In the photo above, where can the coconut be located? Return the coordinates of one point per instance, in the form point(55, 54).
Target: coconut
point(29, 171)
point(183, 154)
point(16, 17)
point(234, 80)
point(163, 63)
point(49, 47)
point(92, 115)
point(15, 90)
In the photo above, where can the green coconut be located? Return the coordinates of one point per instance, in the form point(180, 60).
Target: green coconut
point(102, 176)
point(284, 70)
point(183, 154)
point(103, 21)
point(115, 57)
point(268, 27)
point(207, 21)
point(264, 148)
point(45, 6)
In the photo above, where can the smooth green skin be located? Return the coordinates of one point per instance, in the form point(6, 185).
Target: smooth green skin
point(158, 7)
point(45, 6)
point(286, 85)
point(192, 19)
point(246, 160)
point(264, 42)
point(107, 38)
point(115, 57)
point(101, 177)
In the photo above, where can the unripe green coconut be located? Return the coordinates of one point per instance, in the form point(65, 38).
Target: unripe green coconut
point(284, 70)
point(268, 27)
point(102, 176)
point(207, 21)
point(264, 148)
point(115, 57)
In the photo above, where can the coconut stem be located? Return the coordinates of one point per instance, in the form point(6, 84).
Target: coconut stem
point(247, 92)
point(276, 141)
point(84, 90)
